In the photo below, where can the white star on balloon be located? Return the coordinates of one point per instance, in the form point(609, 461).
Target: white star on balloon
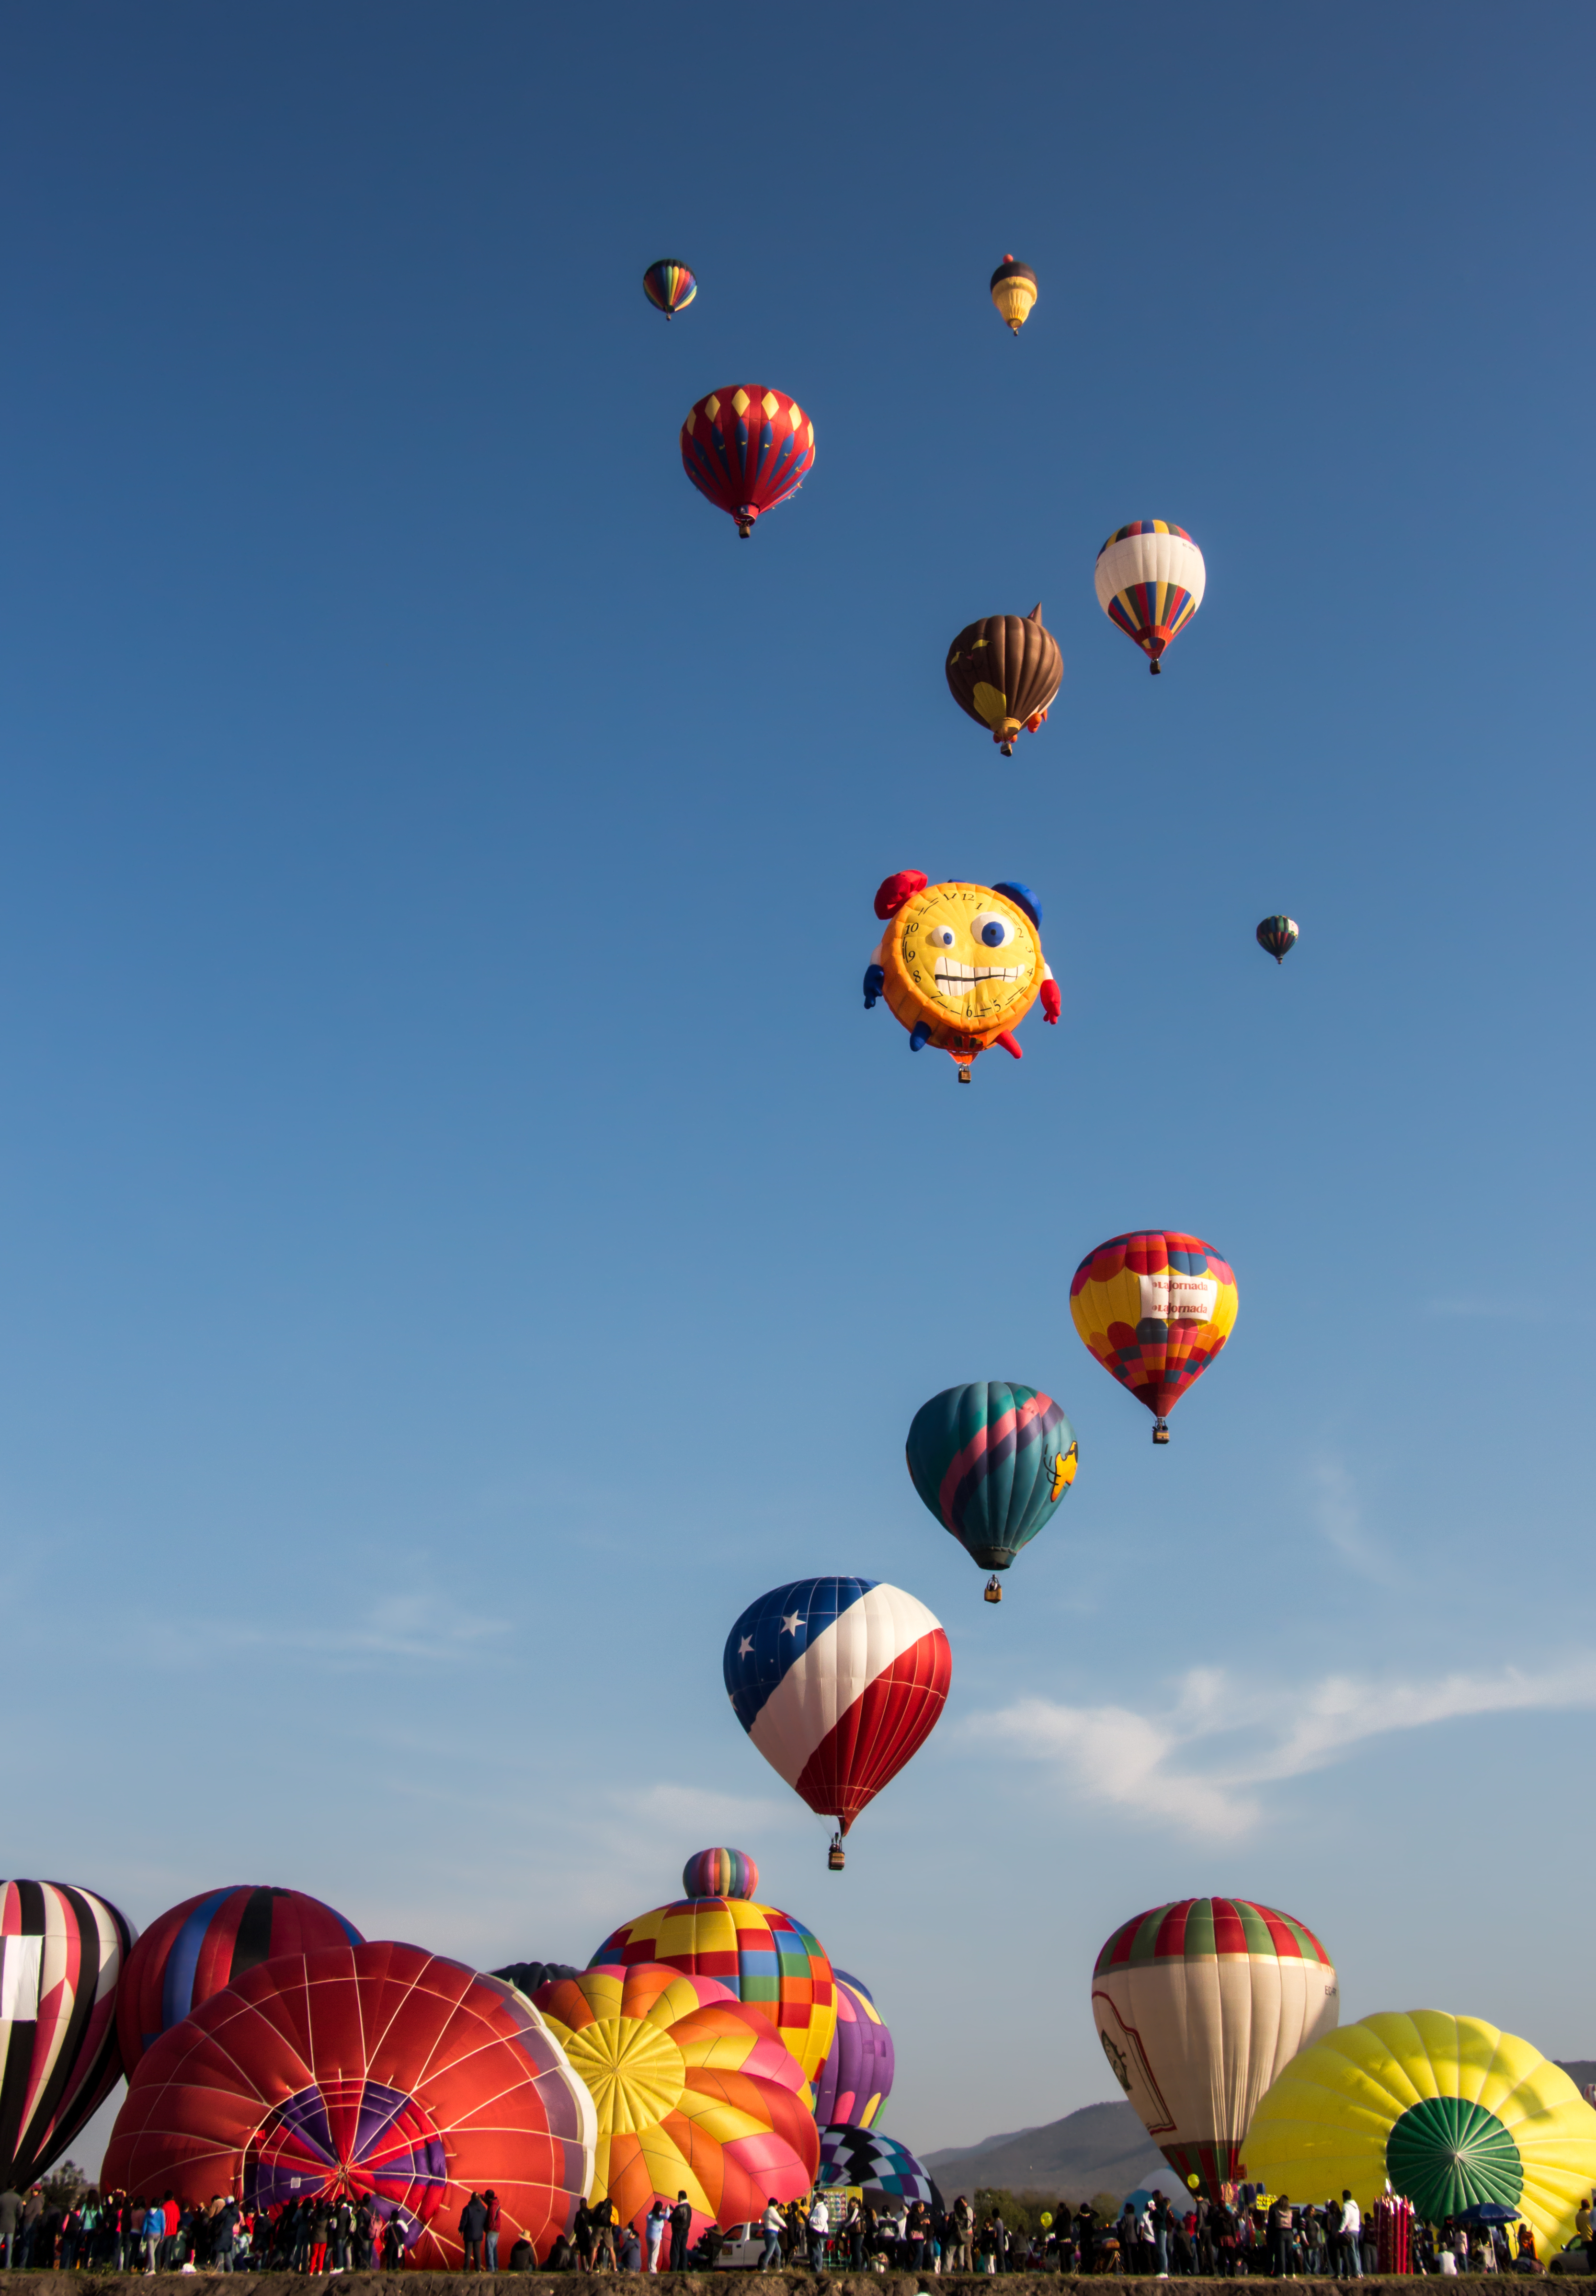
point(790, 1626)
point(745, 1646)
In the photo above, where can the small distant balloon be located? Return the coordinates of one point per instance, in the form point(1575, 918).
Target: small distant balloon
point(669, 286)
point(720, 1873)
point(1277, 935)
point(1014, 292)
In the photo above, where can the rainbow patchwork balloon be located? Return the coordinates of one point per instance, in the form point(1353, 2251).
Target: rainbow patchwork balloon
point(1155, 1308)
point(669, 286)
point(770, 1963)
point(720, 1873)
point(694, 2091)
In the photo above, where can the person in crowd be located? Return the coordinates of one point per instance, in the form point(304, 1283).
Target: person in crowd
point(523, 2255)
point(853, 2233)
point(318, 2231)
point(631, 2251)
point(1527, 2260)
point(364, 2229)
point(153, 2232)
point(657, 2225)
point(393, 2242)
point(603, 2234)
point(1279, 2236)
point(473, 2223)
point(582, 2237)
point(490, 2230)
point(773, 2228)
point(917, 2231)
point(1349, 2263)
point(819, 2230)
point(681, 2227)
point(11, 2218)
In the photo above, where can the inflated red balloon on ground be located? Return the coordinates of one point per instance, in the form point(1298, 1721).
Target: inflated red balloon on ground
point(379, 2070)
point(193, 1949)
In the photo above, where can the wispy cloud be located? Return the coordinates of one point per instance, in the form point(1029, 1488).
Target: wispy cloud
point(421, 1623)
point(1204, 1763)
point(1340, 1519)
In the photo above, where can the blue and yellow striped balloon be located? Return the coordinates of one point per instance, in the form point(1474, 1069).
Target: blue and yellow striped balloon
point(669, 286)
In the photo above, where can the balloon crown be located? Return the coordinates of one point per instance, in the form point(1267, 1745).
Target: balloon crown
point(720, 1873)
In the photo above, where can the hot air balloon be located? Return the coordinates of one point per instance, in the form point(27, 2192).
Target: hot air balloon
point(526, 1976)
point(720, 1873)
point(768, 1960)
point(960, 965)
point(1198, 2006)
point(855, 2080)
point(376, 2070)
point(1455, 2113)
point(694, 2092)
point(992, 1461)
point(838, 1681)
point(1276, 935)
point(882, 2167)
point(747, 449)
point(193, 1949)
point(669, 286)
point(1013, 292)
point(62, 1953)
point(1005, 673)
point(1149, 580)
point(1155, 1308)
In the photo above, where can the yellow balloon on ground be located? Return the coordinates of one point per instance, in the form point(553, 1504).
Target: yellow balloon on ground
point(1453, 2110)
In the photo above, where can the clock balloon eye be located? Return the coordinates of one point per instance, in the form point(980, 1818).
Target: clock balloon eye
point(941, 936)
point(992, 931)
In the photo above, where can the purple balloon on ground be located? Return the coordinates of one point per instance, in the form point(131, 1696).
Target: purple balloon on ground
point(857, 2077)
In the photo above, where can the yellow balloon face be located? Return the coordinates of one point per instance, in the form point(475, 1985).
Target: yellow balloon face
point(964, 959)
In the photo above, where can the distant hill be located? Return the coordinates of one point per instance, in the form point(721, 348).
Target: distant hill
point(1100, 2148)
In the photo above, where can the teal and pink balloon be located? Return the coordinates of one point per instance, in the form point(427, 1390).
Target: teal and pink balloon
point(720, 1873)
point(669, 286)
point(992, 1461)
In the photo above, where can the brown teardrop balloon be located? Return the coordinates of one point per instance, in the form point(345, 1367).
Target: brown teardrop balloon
point(1005, 673)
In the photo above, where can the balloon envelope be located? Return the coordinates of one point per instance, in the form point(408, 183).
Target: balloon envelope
point(193, 1949)
point(1005, 672)
point(1149, 580)
point(669, 286)
point(770, 1962)
point(855, 2080)
point(960, 965)
point(992, 1461)
point(746, 449)
point(377, 2069)
point(693, 2092)
point(1276, 935)
point(1198, 2005)
point(1155, 1308)
point(1451, 2108)
point(838, 1681)
point(1013, 292)
point(720, 1873)
point(62, 1956)
point(879, 2164)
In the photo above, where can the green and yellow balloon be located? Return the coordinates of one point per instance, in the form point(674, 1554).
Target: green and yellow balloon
point(1451, 2110)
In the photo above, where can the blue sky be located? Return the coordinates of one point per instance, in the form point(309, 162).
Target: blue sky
point(460, 1238)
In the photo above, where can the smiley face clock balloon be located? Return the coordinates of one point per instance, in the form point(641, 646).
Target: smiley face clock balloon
point(960, 965)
